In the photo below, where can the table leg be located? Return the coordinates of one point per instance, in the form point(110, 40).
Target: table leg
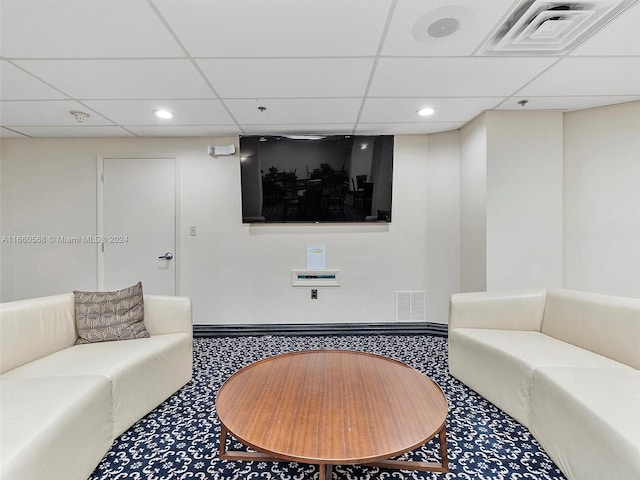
point(441, 467)
point(443, 449)
point(223, 441)
point(326, 472)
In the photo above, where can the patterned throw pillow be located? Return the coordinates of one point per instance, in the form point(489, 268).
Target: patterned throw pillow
point(108, 316)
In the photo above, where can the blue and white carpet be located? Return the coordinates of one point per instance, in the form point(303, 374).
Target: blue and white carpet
point(179, 439)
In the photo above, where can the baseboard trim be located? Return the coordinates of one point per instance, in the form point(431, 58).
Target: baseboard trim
point(315, 329)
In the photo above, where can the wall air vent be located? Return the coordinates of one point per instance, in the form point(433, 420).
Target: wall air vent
point(538, 27)
point(410, 306)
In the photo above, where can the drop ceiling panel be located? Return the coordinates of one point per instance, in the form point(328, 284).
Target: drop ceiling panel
point(4, 133)
point(620, 37)
point(564, 103)
point(300, 128)
point(184, 130)
point(84, 29)
point(292, 111)
point(482, 17)
point(140, 112)
point(588, 76)
point(454, 77)
point(403, 110)
point(282, 78)
point(54, 113)
point(327, 66)
point(16, 84)
point(83, 131)
point(291, 28)
point(121, 79)
point(406, 128)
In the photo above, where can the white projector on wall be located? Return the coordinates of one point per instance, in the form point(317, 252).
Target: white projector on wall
point(221, 150)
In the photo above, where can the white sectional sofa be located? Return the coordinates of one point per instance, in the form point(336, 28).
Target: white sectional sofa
point(62, 404)
point(563, 363)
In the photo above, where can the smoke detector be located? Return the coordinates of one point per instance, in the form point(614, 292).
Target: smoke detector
point(538, 27)
point(79, 116)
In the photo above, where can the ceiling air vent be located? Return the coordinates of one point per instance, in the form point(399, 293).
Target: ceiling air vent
point(539, 27)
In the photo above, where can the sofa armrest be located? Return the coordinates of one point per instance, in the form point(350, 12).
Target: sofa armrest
point(504, 310)
point(167, 314)
point(34, 328)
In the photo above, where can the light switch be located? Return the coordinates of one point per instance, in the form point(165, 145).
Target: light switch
point(193, 231)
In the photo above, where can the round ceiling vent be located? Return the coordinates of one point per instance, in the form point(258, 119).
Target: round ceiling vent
point(441, 23)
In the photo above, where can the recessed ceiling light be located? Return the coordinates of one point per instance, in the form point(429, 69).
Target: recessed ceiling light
point(164, 114)
point(426, 111)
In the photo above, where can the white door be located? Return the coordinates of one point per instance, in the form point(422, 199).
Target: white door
point(137, 224)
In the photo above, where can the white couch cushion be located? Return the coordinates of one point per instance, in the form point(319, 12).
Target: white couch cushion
point(505, 310)
point(498, 363)
point(165, 314)
point(588, 420)
point(46, 419)
point(604, 324)
point(143, 372)
point(32, 329)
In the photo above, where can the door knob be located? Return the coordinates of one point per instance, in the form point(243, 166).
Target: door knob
point(167, 256)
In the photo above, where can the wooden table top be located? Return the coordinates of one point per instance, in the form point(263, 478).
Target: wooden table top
point(331, 406)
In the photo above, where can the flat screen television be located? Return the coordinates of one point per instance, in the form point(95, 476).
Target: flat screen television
point(316, 178)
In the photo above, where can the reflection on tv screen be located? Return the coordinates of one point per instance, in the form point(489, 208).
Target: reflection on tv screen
point(312, 178)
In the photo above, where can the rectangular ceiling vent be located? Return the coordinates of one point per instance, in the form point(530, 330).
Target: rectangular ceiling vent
point(538, 27)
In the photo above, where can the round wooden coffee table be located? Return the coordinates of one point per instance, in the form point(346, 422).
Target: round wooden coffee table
point(332, 407)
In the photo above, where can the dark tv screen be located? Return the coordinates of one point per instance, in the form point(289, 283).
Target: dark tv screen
point(333, 178)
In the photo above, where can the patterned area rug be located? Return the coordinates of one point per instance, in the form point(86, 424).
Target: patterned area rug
point(179, 439)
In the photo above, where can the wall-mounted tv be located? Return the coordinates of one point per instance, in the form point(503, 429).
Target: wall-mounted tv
point(316, 178)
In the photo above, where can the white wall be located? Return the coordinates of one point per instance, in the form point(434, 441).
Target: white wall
point(602, 200)
point(524, 199)
point(473, 205)
point(511, 201)
point(443, 228)
point(240, 274)
point(234, 273)
point(48, 188)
